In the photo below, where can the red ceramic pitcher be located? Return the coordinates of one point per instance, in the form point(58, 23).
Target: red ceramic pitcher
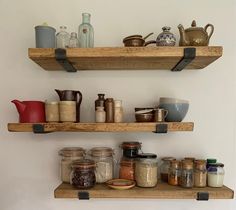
point(30, 111)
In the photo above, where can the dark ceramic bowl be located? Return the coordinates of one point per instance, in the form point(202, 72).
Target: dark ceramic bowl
point(145, 108)
point(149, 117)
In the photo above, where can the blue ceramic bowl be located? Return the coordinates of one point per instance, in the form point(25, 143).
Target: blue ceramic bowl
point(176, 111)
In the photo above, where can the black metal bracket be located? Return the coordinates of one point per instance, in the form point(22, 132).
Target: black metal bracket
point(61, 58)
point(83, 195)
point(189, 55)
point(202, 196)
point(39, 129)
point(161, 128)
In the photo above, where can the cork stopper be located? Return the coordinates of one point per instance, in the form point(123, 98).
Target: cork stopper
point(187, 164)
point(175, 164)
point(200, 164)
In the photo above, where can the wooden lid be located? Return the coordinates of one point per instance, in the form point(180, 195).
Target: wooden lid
point(83, 164)
point(101, 152)
point(175, 164)
point(187, 164)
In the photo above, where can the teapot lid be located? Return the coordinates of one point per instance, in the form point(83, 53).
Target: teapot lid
point(194, 27)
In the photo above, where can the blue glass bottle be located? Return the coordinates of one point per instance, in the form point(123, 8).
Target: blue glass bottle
point(86, 33)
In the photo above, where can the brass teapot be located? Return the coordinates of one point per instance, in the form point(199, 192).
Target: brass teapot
point(195, 36)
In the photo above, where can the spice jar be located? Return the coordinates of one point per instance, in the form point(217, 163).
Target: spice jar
point(164, 169)
point(215, 176)
point(186, 178)
point(131, 149)
point(146, 170)
point(210, 161)
point(69, 154)
point(103, 157)
point(118, 111)
point(200, 173)
point(127, 168)
point(109, 108)
point(174, 173)
point(100, 115)
point(83, 174)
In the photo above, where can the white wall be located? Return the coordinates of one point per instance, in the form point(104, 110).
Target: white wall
point(30, 164)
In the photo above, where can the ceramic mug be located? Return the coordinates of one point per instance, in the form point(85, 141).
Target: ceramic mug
point(160, 115)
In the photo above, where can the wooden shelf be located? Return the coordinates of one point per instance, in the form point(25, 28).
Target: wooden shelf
point(100, 127)
point(124, 58)
point(161, 191)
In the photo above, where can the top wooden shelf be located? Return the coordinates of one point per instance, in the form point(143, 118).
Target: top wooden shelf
point(123, 58)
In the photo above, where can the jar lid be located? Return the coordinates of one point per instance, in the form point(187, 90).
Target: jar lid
point(127, 162)
point(174, 163)
point(200, 164)
point(216, 165)
point(190, 159)
point(117, 103)
point(211, 160)
point(147, 155)
point(72, 152)
point(101, 152)
point(187, 164)
point(131, 145)
point(83, 164)
point(168, 158)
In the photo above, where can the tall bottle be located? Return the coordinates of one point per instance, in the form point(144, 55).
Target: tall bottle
point(86, 32)
point(62, 38)
point(109, 107)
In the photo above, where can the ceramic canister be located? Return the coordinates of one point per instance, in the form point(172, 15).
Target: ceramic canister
point(52, 111)
point(45, 36)
point(67, 111)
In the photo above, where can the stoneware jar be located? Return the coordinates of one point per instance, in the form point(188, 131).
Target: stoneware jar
point(67, 111)
point(52, 111)
point(166, 38)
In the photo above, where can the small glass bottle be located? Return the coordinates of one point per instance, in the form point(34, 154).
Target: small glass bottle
point(174, 173)
point(215, 176)
point(73, 42)
point(109, 107)
point(62, 38)
point(100, 101)
point(100, 115)
point(164, 169)
point(118, 111)
point(86, 32)
point(186, 178)
point(200, 173)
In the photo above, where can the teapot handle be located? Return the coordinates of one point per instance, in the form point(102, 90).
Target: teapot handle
point(80, 97)
point(150, 42)
point(211, 32)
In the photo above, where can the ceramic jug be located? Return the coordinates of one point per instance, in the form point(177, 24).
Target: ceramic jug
point(71, 95)
point(30, 111)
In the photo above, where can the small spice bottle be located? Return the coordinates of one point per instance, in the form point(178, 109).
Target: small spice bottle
point(200, 173)
point(83, 174)
point(186, 178)
point(100, 115)
point(215, 176)
point(131, 149)
point(127, 168)
point(174, 173)
point(100, 101)
point(109, 107)
point(118, 111)
point(165, 167)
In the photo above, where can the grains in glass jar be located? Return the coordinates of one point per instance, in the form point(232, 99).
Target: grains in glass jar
point(164, 169)
point(200, 173)
point(186, 178)
point(174, 173)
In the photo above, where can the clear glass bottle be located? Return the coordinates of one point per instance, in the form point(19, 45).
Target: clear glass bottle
point(86, 32)
point(186, 178)
point(215, 176)
point(174, 173)
point(164, 169)
point(62, 38)
point(73, 42)
point(200, 173)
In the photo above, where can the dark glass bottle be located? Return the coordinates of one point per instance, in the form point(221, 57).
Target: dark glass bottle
point(109, 108)
point(100, 101)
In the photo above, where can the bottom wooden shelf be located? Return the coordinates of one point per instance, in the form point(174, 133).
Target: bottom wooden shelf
point(161, 191)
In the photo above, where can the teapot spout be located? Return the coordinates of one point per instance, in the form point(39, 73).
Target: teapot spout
point(60, 93)
point(20, 106)
point(183, 39)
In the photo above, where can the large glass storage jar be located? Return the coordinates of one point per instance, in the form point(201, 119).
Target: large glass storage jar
point(69, 154)
point(146, 170)
point(103, 157)
point(83, 174)
point(186, 178)
point(164, 169)
point(131, 149)
point(127, 168)
point(200, 173)
point(174, 173)
point(215, 176)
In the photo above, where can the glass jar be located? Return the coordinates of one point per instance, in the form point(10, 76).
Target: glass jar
point(83, 174)
point(146, 170)
point(215, 176)
point(186, 178)
point(103, 157)
point(73, 42)
point(69, 154)
point(131, 149)
point(127, 168)
point(62, 38)
point(164, 169)
point(174, 173)
point(200, 173)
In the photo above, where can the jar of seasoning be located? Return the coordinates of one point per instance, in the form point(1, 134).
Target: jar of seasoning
point(146, 170)
point(83, 174)
point(69, 154)
point(103, 157)
point(210, 161)
point(174, 173)
point(131, 149)
point(164, 169)
point(186, 178)
point(118, 111)
point(200, 173)
point(127, 168)
point(215, 176)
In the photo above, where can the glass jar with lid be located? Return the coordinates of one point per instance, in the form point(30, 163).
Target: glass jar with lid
point(131, 149)
point(69, 154)
point(215, 176)
point(164, 169)
point(186, 178)
point(174, 173)
point(103, 157)
point(200, 173)
point(83, 174)
point(127, 168)
point(146, 170)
